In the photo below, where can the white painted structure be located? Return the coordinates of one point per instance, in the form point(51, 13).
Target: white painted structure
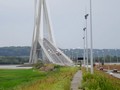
point(43, 43)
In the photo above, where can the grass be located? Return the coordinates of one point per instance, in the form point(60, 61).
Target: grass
point(32, 79)
point(58, 80)
point(11, 78)
point(99, 81)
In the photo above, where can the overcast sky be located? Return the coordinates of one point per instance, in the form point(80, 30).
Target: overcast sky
point(17, 22)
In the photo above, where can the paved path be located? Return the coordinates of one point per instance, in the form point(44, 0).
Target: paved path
point(76, 82)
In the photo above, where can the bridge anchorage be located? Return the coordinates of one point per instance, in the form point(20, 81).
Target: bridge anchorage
point(43, 44)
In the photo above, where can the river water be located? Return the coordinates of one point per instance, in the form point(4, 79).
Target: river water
point(13, 67)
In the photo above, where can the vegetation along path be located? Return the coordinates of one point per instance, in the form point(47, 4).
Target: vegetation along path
point(76, 82)
point(48, 77)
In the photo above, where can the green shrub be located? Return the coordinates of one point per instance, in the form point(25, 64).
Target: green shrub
point(57, 66)
point(60, 79)
point(99, 81)
point(38, 65)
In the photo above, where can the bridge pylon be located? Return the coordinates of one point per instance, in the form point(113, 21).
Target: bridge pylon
point(43, 43)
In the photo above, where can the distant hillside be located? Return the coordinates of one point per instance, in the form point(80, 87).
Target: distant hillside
point(19, 55)
point(25, 51)
point(15, 51)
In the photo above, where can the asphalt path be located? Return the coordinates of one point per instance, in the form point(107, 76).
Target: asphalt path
point(76, 82)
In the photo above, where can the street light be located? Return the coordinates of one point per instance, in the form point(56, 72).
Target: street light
point(86, 16)
point(91, 39)
point(71, 54)
point(110, 56)
point(84, 46)
point(65, 51)
point(116, 55)
point(98, 56)
point(103, 56)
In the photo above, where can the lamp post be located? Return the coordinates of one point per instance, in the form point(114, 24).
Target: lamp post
point(84, 46)
point(71, 54)
point(103, 56)
point(116, 55)
point(98, 58)
point(110, 56)
point(65, 51)
point(91, 38)
point(86, 16)
point(69, 50)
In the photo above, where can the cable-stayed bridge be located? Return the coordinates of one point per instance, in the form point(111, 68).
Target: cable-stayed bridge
point(43, 41)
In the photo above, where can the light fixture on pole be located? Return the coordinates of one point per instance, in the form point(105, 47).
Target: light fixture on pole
point(103, 56)
point(84, 46)
point(91, 38)
point(116, 55)
point(110, 56)
point(97, 57)
point(86, 16)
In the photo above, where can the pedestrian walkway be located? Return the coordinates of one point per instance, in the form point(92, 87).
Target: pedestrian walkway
point(76, 82)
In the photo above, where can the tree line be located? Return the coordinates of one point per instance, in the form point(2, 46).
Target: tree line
point(19, 55)
point(13, 60)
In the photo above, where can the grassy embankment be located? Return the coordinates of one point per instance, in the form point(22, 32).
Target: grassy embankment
point(99, 81)
point(58, 79)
